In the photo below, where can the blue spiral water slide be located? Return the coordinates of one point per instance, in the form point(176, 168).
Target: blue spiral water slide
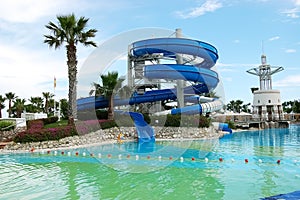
point(204, 79)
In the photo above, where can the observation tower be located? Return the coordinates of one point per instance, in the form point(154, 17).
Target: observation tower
point(266, 101)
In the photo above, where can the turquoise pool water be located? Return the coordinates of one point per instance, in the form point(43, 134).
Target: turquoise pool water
point(132, 171)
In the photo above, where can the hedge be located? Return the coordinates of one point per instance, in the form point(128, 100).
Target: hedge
point(39, 123)
point(39, 135)
point(90, 115)
point(6, 125)
point(181, 120)
point(36, 132)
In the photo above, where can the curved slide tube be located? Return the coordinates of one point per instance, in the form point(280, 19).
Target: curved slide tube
point(149, 96)
point(144, 130)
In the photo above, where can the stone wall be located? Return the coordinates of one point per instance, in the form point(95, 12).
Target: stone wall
point(110, 135)
point(6, 136)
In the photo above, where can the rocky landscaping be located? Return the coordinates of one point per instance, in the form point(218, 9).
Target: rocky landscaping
point(110, 135)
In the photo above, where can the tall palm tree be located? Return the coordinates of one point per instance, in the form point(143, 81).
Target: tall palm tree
point(235, 106)
point(10, 97)
point(47, 96)
point(37, 104)
point(108, 89)
point(18, 108)
point(245, 108)
point(2, 105)
point(238, 105)
point(71, 31)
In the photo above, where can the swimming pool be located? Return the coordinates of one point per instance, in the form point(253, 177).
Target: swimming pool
point(254, 164)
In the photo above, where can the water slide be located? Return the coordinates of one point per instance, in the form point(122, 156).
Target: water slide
point(204, 79)
point(145, 131)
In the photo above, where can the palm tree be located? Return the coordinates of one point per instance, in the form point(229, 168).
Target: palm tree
point(245, 108)
point(108, 89)
point(47, 96)
point(18, 108)
point(2, 105)
point(64, 108)
point(37, 104)
point(71, 31)
point(238, 105)
point(231, 105)
point(212, 94)
point(10, 97)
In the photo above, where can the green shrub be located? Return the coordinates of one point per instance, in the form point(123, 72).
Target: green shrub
point(230, 124)
point(204, 121)
point(6, 125)
point(90, 115)
point(108, 124)
point(101, 114)
point(50, 120)
point(184, 120)
point(173, 120)
point(147, 118)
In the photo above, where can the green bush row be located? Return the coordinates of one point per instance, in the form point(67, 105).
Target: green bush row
point(178, 120)
point(90, 115)
point(6, 125)
point(36, 132)
point(39, 123)
point(168, 120)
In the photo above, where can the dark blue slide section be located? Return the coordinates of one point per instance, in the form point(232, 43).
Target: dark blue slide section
point(225, 127)
point(149, 96)
point(144, 130)
point(188, 110)
point(289, 196)
point(169, 47)
point(183, 72)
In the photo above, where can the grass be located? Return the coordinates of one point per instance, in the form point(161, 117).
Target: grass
point(57, 124)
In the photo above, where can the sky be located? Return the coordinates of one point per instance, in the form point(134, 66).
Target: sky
point(241, 30)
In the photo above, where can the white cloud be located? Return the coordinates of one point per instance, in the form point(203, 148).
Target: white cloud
point(292, 13)
point(236, 41)
point(297, 2)
point(274, 38)
point(289, 81)
point(290, 51)
point(30, 10)
point(207, 6)
point(30, 72)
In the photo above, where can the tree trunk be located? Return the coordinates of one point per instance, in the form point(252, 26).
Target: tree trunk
point(110, 111)
point(72, 72)
point(9, 108)
point(46, 106)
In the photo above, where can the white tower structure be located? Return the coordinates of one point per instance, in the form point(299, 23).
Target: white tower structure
point(266, 101)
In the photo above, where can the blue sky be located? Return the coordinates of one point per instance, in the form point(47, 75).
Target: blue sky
point(236, 28)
